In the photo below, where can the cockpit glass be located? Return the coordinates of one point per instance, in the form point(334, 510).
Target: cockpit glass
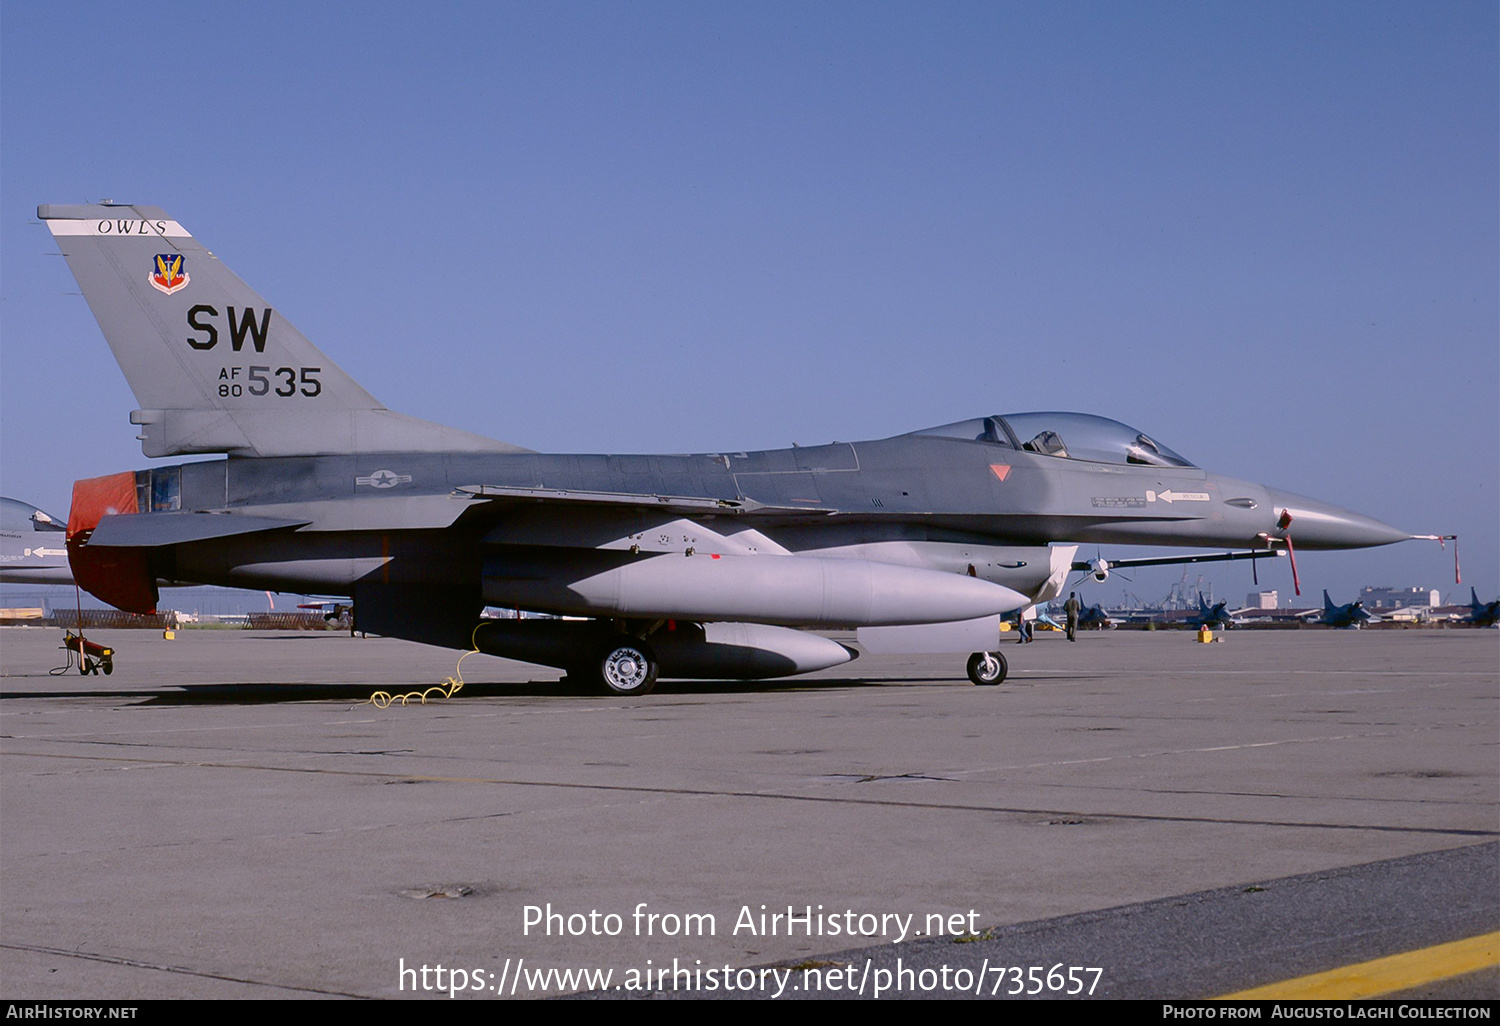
point(1075, 436)
point(18, 516)
point(980, 429)
point(1082, 436)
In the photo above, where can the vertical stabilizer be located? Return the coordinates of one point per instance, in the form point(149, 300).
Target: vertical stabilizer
point(214, 366)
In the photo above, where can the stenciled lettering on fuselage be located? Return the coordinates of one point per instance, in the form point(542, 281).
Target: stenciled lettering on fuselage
point(1171, 497)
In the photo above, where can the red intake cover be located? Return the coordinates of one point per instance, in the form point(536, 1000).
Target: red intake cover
point(122, 577)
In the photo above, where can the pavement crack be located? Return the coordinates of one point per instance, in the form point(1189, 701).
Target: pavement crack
point(844, 799)
point(94, 956)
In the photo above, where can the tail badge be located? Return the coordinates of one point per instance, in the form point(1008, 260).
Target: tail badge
point(169, 273)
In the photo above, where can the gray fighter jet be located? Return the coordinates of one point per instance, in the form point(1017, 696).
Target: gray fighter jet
point(32, 546)
point(697, 566)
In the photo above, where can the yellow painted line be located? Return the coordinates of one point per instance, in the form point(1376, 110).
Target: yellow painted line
point(1383, 975)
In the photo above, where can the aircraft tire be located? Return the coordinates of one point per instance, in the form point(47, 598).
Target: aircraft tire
point(987, 668)
point(626, 668)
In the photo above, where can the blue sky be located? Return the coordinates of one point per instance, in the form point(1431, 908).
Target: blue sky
point(1265, 233)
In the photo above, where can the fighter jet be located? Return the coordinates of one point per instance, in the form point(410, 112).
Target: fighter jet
point(32, 546)
point(696, 566)
point(1216, 616)
point(1095, 618)
point(1353, 616)
point(1482, 614)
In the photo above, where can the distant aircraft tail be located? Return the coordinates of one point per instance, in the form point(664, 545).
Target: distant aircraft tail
point(213, 365)
point(1328, 602)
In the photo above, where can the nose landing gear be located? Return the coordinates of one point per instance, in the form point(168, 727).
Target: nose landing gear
point(987, 668)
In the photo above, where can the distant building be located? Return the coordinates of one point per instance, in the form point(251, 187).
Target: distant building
point(1262, 600)
point(1399, 598)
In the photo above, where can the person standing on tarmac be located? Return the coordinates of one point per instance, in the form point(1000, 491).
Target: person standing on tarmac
point(1072, 607)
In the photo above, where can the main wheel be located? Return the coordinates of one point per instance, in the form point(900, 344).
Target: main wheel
point(987, 667)
point(627, 668)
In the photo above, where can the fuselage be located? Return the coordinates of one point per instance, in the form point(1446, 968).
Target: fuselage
point(985, 508)
point(32, 549)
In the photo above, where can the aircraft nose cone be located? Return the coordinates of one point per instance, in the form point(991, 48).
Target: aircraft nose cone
point(1318, 525)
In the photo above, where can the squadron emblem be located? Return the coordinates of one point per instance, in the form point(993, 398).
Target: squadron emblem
point(169, 273)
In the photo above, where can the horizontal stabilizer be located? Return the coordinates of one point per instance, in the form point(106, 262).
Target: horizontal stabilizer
point(148, 530)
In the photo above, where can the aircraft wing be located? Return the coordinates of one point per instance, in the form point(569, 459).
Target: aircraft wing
point(687, 504)
point(1027, 527)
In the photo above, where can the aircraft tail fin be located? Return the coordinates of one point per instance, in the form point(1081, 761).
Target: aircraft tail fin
point(214, 366)
point(1327, 602)
point(1474, 602)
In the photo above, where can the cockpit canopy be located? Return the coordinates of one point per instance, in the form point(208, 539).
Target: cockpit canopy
point(1074, 436)
point(19, 516)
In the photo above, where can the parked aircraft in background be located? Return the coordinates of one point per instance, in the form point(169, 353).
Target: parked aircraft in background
point(1215, 617)
point(33, 547)
point(1354, 615)
point(696, 566)
point(1095, 618)
point(1046, 620)
point(1482, 614)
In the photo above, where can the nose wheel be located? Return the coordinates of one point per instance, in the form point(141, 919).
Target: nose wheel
point(987, 667)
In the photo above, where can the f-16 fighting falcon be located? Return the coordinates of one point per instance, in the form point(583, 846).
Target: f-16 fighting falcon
point(31, 546)
point(698, 566)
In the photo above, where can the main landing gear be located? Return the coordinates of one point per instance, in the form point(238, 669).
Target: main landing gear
point(987, 667)
point(624, 667)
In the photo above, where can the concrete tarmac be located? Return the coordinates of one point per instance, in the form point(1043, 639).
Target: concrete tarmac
point(226, 816)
